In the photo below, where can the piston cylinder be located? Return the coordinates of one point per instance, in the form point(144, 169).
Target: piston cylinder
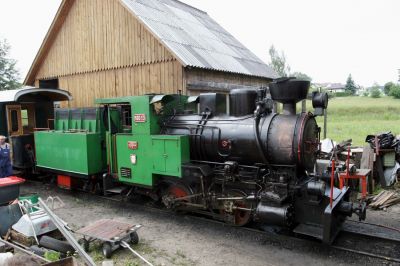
point(271, 215)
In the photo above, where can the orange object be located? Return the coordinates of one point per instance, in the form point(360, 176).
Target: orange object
point(64, 181)
point(360, 174)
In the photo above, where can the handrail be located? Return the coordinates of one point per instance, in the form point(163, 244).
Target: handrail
point(332, 181)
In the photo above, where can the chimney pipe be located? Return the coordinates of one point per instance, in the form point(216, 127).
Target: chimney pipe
point(289, 108)
point(289, 91)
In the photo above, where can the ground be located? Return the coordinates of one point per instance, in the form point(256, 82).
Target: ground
point(178, 239)
point(356, 117)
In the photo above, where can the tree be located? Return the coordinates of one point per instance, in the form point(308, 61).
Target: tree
point(375, 91)
point(9, 75)
point(387, 87)
point(278, 62)
point(350, 85)
point(395, 91)
point(300, 75)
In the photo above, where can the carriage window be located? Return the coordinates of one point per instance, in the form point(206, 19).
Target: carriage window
point(14, 121)
point(25, 118)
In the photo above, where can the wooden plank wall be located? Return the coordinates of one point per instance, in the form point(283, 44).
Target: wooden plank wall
point(98, 35)
point(103, 51)
point(138, 80)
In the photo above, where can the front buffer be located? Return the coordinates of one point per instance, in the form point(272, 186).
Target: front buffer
point(319, 217)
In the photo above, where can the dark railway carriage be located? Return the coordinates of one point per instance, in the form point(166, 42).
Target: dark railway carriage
point(23, 111)
point(241, 165)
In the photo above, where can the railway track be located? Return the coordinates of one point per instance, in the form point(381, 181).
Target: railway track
point(371, 240)
point(364, 239)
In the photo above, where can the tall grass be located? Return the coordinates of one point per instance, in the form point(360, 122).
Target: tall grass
point(356, 117)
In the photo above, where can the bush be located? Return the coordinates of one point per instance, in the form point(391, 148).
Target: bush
point(331, 95)
point(395, 91)
point(366, 94)
point(388, 86)
point(375, 93)
point(343, 94)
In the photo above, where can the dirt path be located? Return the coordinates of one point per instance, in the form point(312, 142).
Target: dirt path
point(171, 239)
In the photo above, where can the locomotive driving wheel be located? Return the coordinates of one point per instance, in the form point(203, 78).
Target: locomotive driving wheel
point(176, 195)
point(236, 211)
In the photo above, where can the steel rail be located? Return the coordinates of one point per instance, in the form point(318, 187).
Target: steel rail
point(256, 230)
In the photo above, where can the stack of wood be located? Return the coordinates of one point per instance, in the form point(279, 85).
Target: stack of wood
point(384, 200)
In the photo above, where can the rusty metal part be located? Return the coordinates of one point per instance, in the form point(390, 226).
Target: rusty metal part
point(236, 212)
point(178, 194)
point(108, 230)
point(293, 140)
point(186, 197)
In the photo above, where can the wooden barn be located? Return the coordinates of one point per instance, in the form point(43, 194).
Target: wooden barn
point(112, 48)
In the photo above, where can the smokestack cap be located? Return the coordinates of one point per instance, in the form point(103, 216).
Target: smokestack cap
point(289, 90)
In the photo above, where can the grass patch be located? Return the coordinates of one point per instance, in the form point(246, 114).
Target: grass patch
point(356, 117)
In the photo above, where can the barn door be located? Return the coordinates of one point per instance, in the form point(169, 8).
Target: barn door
point(14, 120)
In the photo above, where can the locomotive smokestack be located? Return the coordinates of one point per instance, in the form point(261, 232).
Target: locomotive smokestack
point(289, 109)
point(289, 91)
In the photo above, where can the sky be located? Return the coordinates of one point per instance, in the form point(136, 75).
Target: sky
point(327, 40)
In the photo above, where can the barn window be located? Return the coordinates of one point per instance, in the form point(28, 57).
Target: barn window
point(48, 83)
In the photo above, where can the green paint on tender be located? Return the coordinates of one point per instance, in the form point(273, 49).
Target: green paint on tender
point(76, 146)
point(78, 153)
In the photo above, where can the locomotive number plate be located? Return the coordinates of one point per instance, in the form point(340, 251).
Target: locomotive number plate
point(132, 145)
point(140, 118)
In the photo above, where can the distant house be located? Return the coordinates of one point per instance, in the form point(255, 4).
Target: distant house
point(97, 49)
point(332, 87)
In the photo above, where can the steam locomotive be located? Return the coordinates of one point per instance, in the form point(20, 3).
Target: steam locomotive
point(232, 158)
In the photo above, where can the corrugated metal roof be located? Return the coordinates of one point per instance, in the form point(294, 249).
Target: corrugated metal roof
point(196, 39)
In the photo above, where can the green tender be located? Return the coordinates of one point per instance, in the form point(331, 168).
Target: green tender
point(78, 153)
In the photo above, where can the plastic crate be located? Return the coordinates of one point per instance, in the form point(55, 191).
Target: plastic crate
point(9, 189)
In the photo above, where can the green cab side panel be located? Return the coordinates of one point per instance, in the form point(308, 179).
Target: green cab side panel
point(153, 155)
point(79, 153)
point(169, 153)
point(128, 172)
point(141, 107)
